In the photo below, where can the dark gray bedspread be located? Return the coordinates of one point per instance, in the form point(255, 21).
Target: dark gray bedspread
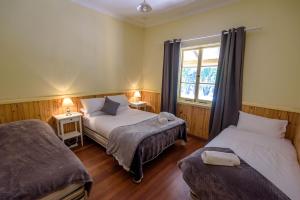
point(34, 162)
point(124, 140)
point(226, 183)
point(154, 145)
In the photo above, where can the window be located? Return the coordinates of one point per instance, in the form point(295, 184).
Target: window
point(198, 73)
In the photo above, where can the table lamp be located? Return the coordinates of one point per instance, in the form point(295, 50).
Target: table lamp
point(67, 102)
point(137, 95)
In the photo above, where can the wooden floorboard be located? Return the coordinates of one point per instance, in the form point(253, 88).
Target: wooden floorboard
point(162, 178)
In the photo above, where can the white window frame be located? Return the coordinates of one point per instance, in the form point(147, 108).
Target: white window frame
point(195, 100)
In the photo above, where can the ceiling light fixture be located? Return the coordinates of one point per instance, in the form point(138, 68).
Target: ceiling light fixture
point(144, 7)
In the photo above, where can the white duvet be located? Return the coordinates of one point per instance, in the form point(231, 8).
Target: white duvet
point(104, 124)
point(274, 158)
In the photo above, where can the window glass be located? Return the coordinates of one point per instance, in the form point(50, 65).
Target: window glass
point(208, 74)
point(210, 56)
point(190, 58)
point(187, 91)
point(206, 92)
point(188, 74)
point(198, 87)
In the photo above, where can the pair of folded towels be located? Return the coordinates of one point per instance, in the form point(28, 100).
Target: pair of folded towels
point(165, 117)
point(220, 158)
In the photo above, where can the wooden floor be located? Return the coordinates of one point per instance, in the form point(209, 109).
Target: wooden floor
point(162, 178)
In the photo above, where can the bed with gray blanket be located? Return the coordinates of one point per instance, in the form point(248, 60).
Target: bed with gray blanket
point(269, 168)
point(35, 164)
point(134, 137)
point(226, 183)
point(134, 145)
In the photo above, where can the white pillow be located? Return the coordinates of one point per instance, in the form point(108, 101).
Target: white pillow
point(93, 114)
point(92, 105)
point(122, 99)
point(262, 125)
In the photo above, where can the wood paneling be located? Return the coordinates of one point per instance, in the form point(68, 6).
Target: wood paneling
point(43, 109)
point(153, 101)
point(197, 117)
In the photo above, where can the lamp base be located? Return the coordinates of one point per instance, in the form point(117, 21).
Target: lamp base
point(68, 112)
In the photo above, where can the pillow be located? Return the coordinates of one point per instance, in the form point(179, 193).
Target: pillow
point(92, 105)
point(110, 107)
point(93, 114)
point(121, 99)
point(262, 125)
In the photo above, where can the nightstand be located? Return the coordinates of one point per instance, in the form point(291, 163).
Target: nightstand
point(141, 105)
point(63, 119)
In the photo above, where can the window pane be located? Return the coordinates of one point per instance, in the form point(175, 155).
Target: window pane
point(210, 56)
point(187, 91)
point(188, 74)
point(206, 92)
point(190, 58)
point(208, 74)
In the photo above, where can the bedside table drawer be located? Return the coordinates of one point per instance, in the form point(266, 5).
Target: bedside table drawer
point(70, 120)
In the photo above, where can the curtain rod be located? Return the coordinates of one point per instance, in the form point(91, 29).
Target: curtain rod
point(218, 35)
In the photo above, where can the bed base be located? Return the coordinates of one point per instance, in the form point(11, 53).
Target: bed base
point(193, 196)
point(72, 192)
point(95, 136)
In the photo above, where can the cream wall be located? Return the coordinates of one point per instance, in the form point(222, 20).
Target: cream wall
point(56, 47)
point(272, 64)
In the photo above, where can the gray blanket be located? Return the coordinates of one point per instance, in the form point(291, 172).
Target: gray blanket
point(226, 183)
point(123, 141)
point(34, 162)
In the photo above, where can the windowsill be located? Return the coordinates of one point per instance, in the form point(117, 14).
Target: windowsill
point(198, 104)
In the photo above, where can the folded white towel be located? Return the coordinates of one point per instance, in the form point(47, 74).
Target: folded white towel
point(167, 115)
point(220, 158)
point(162, 120)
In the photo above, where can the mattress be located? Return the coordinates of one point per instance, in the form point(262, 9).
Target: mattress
point(104, 124)
point(274, 158)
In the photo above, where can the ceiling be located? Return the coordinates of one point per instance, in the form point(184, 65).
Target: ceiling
point(163, 10)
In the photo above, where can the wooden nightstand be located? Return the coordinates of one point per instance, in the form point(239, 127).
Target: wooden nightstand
point(63, 119)
point(141, 105)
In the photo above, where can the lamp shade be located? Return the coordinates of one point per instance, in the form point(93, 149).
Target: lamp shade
point(137, 94)
point(67, 102)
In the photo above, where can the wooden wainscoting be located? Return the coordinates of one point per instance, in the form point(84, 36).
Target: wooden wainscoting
point(197, 117)
point(44, 109)
point(153, 101)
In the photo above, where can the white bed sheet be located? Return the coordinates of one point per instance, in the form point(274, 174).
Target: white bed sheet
point(274, 158)
point(104, 124)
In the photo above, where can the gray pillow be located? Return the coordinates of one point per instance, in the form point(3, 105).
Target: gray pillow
point(110, 107)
